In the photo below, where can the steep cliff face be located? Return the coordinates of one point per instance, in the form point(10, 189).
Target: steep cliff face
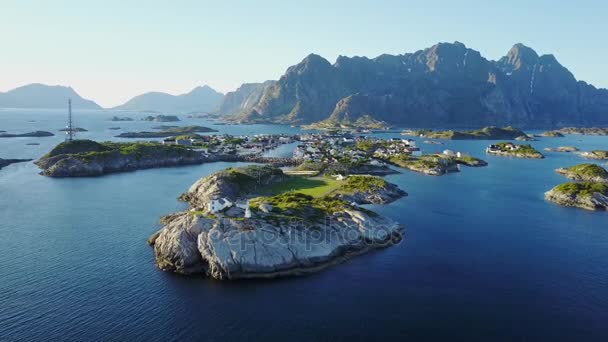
point(445, 85)
point(306, 93)
point(244, 98)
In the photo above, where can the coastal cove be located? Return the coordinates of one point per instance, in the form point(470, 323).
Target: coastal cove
point(481, 248)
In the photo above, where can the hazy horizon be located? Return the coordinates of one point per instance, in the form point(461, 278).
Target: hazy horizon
point(121, 50)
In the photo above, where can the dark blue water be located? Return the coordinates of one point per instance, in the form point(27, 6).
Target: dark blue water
point(485, 257)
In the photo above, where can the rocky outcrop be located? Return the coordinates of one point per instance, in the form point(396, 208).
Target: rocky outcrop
point(561, 149)
point(585, 173)
point(231, 184)
point(7, 162)
point(552, 134)
point(85, 158)
point(270, 243)
point(587, 196)
point(117, 118)
point(386, 194)
point(255, 248)
point(597, 155)
point(445, 85)
point(161, 118)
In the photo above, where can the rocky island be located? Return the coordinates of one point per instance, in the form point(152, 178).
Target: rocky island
point(117, 118)
point(596, 154)
point(363, 122)
point(552, 134)
point(507, 149)
point(486, 133)
point(585, 173)
point(7, 162)
point(167, 132)
point(85, 158)
point(434, 164)
point(584, 130)
point(585, 195)
point(230, 231)
point(161, 118)
point(561, 149)
point(590, 192)
point(36, 134)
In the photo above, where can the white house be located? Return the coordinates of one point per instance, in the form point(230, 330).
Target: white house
point(217, 205)
point(449, 153)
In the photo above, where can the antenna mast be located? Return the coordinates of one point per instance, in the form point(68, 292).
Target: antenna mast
point(70, 128)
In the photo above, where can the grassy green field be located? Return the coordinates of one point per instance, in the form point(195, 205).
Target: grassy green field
point(313, 186)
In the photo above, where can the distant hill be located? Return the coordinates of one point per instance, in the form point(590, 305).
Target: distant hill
point(44, 96)
point(200, 99)
point(445, 85)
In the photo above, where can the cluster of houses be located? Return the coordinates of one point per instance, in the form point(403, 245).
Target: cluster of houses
point(501, 148)
point(396, 146)
point(335, 147)
point(228, 144)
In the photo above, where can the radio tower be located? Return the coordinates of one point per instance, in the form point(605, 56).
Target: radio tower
point(70, 129)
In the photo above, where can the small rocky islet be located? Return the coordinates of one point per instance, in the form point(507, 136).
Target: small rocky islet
point(119, 119)
point(161, 118)
point(561, 149)
point(230, 231)
point(167, 131)
point(595, 154)
point(486, 133)
point(434, 164)
point(35, 134)
point(508, 149)
point(589, 191)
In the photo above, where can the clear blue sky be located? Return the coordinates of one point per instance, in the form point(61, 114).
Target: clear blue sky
point(112, 50)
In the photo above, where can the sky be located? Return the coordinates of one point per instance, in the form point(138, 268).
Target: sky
point(110, 51)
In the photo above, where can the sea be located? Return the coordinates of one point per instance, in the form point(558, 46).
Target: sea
point(484, 257)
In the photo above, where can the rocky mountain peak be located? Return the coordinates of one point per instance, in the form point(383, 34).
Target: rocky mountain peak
point(310, 62)
point(520, 56)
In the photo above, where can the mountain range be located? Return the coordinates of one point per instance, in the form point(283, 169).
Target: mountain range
point(44, 96)
point(445, 85)
point(200, 99)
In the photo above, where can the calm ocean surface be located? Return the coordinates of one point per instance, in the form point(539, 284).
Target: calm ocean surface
point(484, 255)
